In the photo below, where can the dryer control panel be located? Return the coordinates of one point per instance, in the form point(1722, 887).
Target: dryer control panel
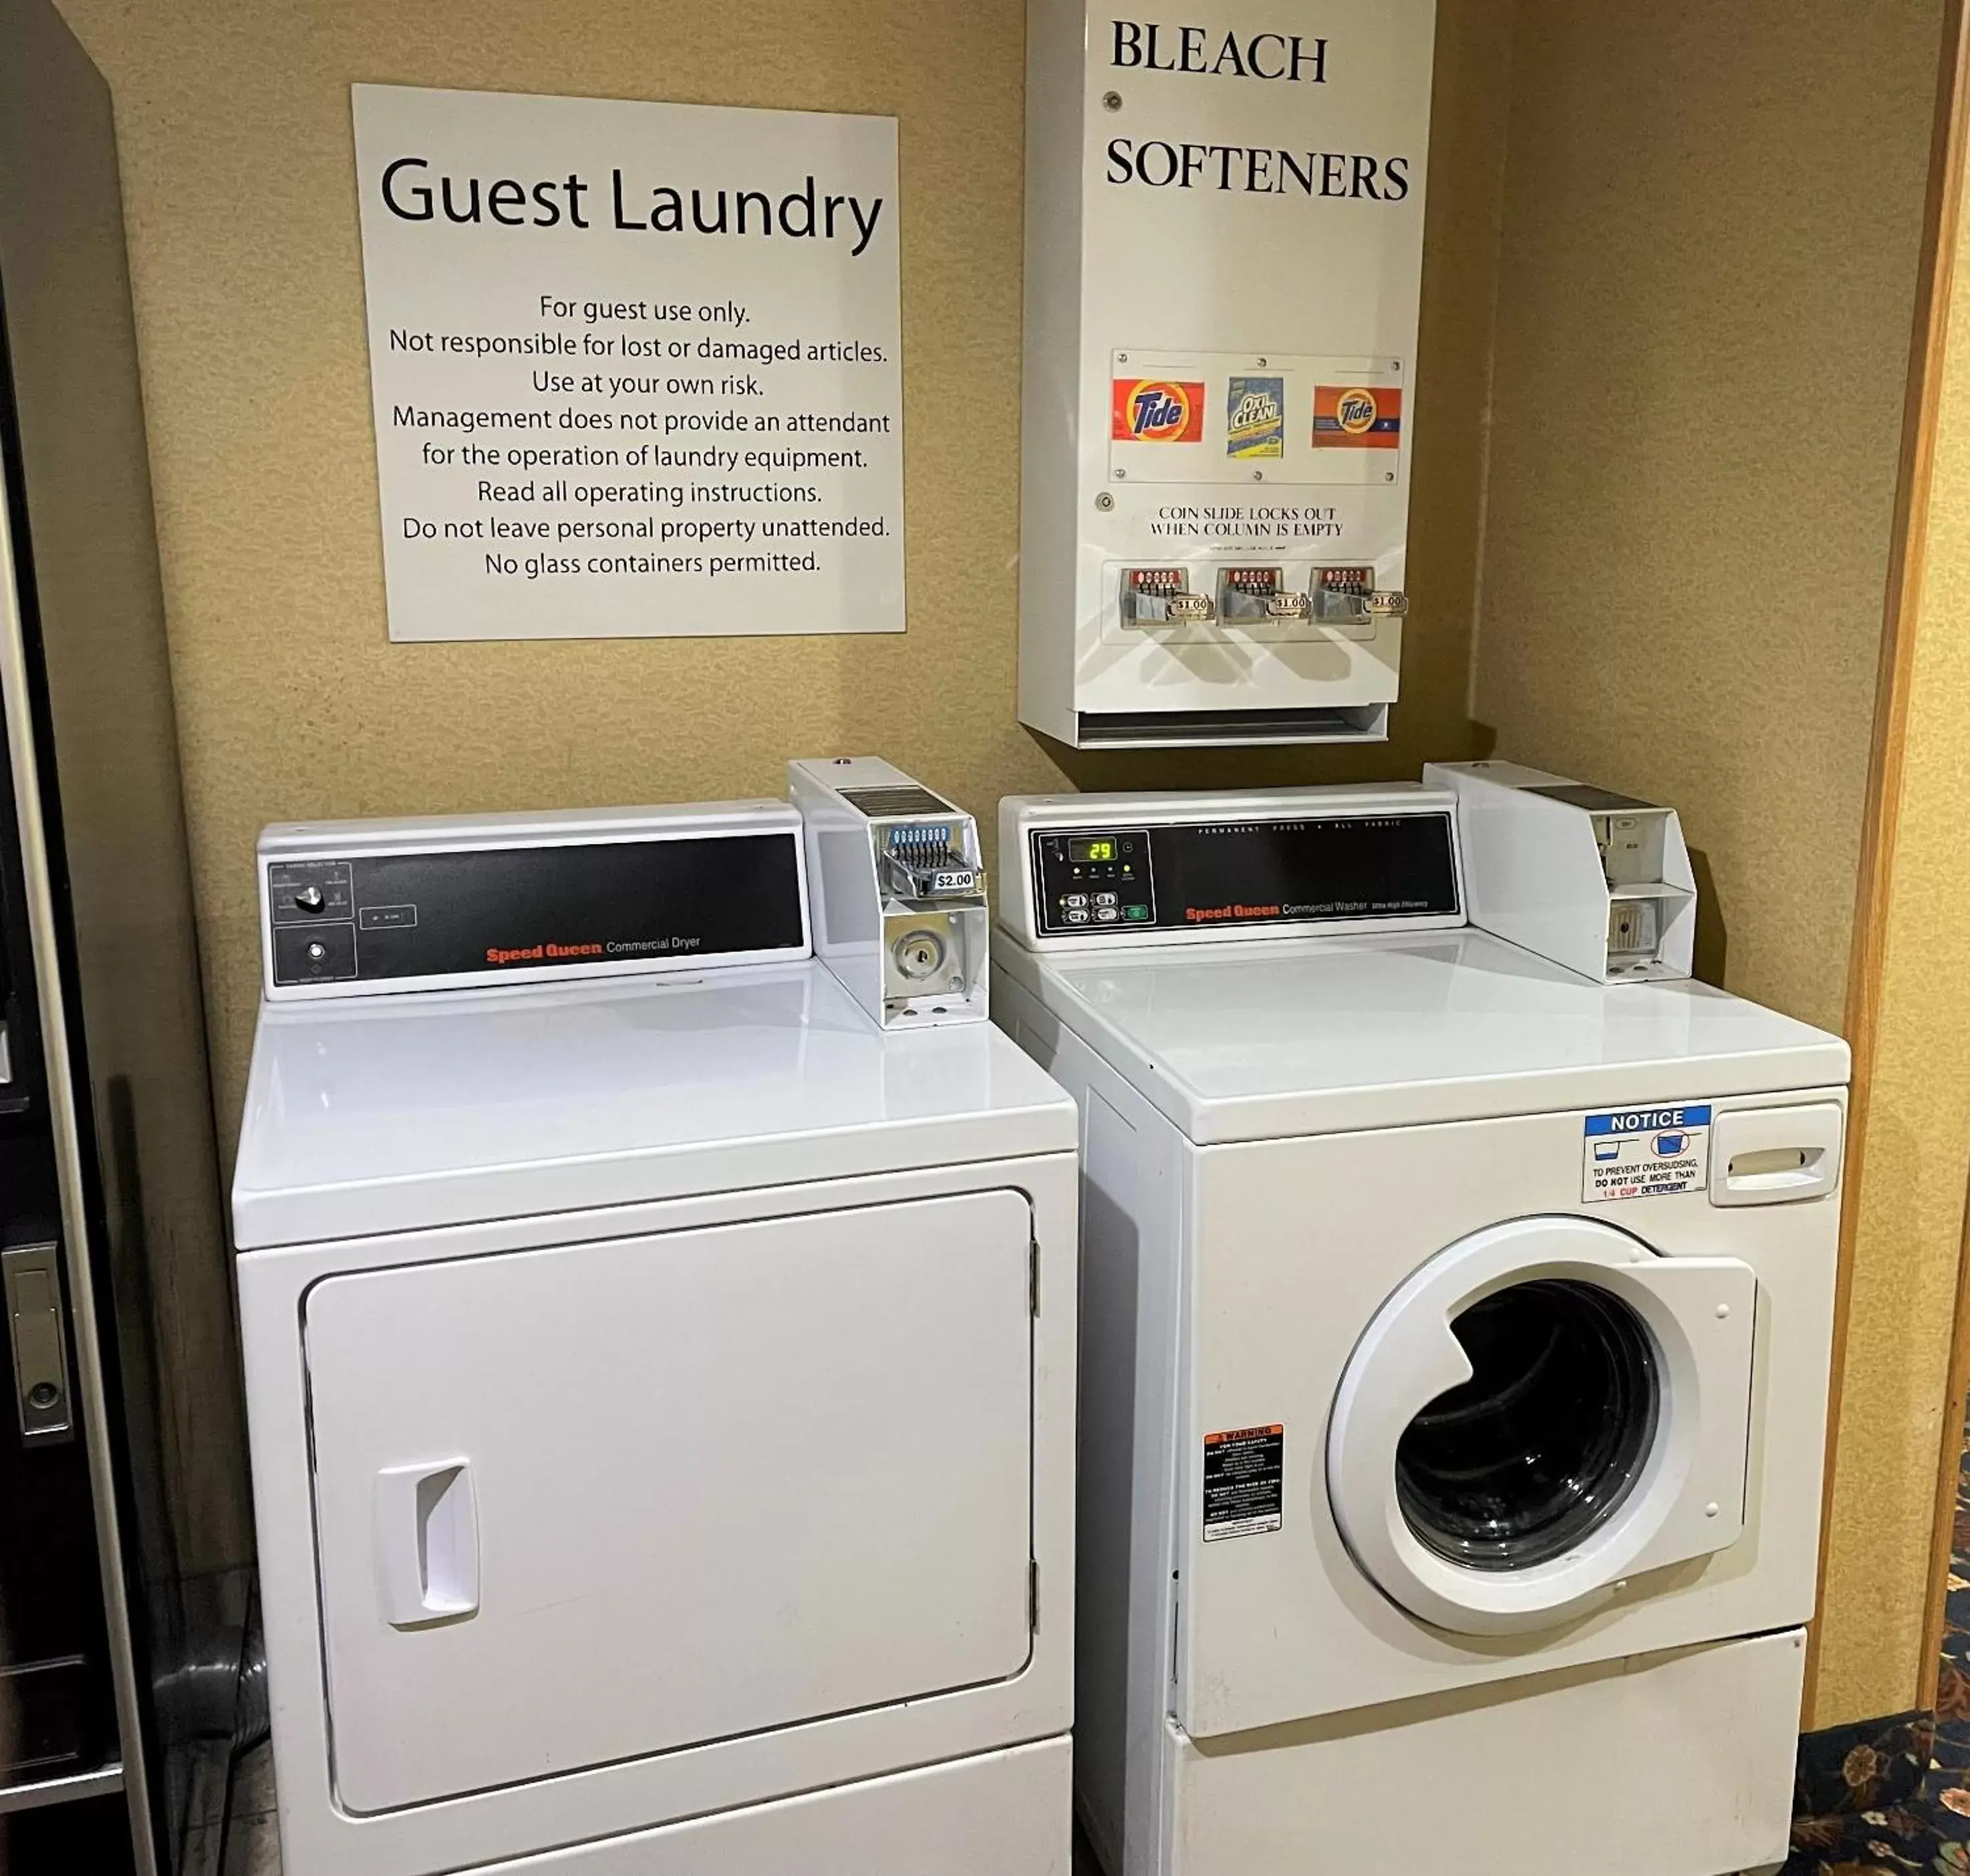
point(1129, 869)
point(352, 907)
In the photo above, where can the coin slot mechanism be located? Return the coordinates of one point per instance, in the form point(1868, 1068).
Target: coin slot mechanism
point(1246, 594)
point(1161, 595)
point(1595, 880)
point(902, 914)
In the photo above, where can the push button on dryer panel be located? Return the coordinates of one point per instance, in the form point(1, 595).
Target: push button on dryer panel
point(313, 954)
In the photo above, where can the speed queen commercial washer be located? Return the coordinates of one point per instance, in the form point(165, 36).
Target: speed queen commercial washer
point(661, 1379)
point(1455, 1356)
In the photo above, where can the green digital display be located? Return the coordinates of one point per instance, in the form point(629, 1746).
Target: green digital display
point(1087, 852)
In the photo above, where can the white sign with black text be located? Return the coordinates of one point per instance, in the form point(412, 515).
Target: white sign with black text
point(636, 367)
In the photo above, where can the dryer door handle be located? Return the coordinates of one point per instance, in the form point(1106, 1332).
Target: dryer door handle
point(427, 1525)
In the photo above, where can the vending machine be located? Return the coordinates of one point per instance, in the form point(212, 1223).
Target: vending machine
point(125, 1541)
point(1225, 214)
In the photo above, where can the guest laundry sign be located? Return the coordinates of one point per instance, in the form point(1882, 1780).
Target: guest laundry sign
point(636, 368)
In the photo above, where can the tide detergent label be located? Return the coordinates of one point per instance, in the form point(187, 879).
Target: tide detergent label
point(1353, 416)
point(1255, 417)
point(1157, 410)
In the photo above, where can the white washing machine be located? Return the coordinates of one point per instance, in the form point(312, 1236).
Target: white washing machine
point(661, 1379)
point(1454, 1365)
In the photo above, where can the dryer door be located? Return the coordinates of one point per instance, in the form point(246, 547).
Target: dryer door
point(593, 1502)
point(1543, 1409)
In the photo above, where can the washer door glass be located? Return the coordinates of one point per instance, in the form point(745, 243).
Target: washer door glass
point(1548, 1437)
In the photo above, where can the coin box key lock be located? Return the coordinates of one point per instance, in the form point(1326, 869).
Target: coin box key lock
point(921, 952)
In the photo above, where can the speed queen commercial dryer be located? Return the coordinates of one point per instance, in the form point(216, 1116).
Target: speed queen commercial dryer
point(661, 1379)
point(1453, 1362)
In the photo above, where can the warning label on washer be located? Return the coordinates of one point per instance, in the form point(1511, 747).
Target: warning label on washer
point(1244, 1481)
point(1645, 1152)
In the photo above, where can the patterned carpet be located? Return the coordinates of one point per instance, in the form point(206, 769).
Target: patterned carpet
point(1896, 1797)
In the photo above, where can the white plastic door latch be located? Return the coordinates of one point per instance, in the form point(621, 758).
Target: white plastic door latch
point(427, 1525)
point(1774, 1156)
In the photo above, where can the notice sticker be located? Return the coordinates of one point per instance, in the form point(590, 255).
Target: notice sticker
point(1645, 1152)
point(1244, 1481)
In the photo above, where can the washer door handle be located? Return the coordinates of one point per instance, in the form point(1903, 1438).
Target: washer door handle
point(426, 1526)
point(1775, 1156)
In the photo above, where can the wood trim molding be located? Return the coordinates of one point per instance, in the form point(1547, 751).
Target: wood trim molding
point(1949, 148)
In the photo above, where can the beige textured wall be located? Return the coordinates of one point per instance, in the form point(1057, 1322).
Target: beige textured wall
point(1910, 1225)
point(1712, 219)
point(1708, 290)
point(233, 124)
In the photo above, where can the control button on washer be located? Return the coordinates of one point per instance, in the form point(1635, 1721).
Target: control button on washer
point(1107, 915)
point(1074, 899)
point(1104, 898)
point(1076, 916)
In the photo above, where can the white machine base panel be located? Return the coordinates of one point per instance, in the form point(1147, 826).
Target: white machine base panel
point(1674, 1765)
point(1000, 1814)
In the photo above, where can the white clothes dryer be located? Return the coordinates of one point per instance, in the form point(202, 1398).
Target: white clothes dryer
point(660, 1385)
point(1454, 1364)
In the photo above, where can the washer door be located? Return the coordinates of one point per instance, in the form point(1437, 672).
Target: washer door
point(1543, 1409)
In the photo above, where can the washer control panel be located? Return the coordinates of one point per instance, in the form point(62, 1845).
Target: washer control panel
point(1123, 869)
point(1095, 880)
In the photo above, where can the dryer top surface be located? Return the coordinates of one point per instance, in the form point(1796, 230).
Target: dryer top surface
point(1281, 1037)
point(388, 1114)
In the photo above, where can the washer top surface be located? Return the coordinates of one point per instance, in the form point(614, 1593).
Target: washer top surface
point(1282, 1037)
point(399, 1113)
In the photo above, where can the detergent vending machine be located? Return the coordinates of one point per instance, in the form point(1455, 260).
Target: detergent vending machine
point(1224, 217)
